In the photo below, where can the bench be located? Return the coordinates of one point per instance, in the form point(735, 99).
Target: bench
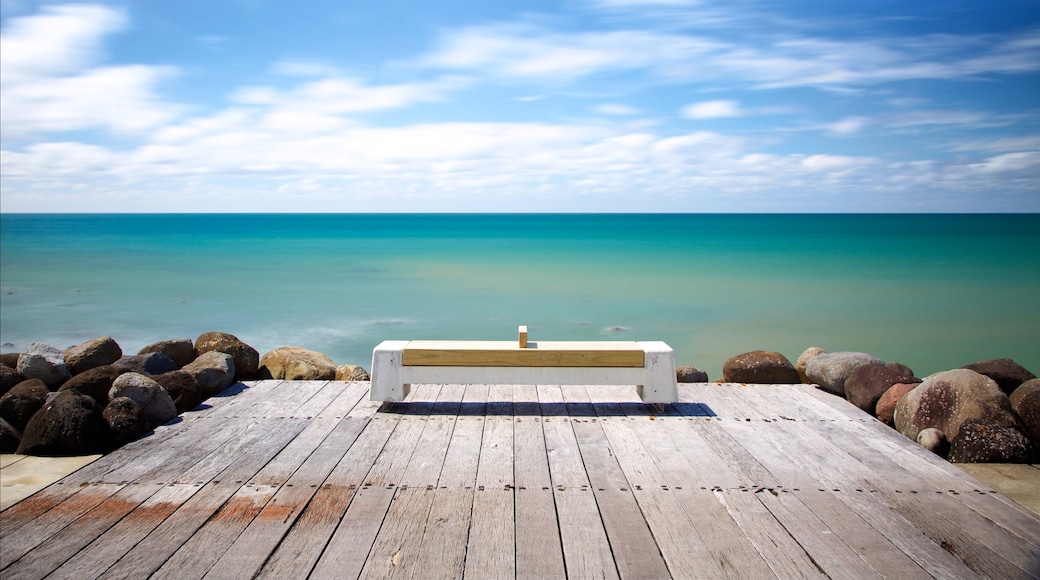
point(649, 365)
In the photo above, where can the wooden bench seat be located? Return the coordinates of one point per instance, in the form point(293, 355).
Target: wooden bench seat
point(648, 365)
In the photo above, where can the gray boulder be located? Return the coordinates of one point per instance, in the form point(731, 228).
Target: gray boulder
point(180, 350)
point(151, 364)
point(830, 370)
point(351, 373)
point(70, 424)
point(8, 378)
point(868, 382)
point(1007, 373)
point(126, 421)
point(45, 362)
point(688, 374)
point(182, 388)
point(946, 400)
point(981, 441)
point(96, 382)
point(9, 437)
point(293, 363)
point(803, 360)
point(760, 367)
point(149, 395)
point(22, 402)
point(1026, 402)
point(91, 354)
point(247, 359)
point(214, 371)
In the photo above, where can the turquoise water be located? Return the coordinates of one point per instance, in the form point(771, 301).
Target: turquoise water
point(932, 291)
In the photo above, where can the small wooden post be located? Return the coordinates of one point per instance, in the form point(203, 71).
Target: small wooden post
point(523, 337)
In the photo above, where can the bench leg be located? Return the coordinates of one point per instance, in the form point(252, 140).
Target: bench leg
point(660, 365)
point(386, 372)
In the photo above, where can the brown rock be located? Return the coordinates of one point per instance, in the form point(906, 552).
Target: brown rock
point(22, 402)
point(149, 395)
point(803, 360)
point(183, 389)
point(180, 350)
point(246, 357)
point(1026, 402)
point(293, 363)
point(867, 383)
point(830, 370)
point(151, 364)
point(214, 371)
point(96, 382)
point(8, 378)
point(1007, 373)
point(946, 400)
point(886, 406)
point(760, 367)
point(9, 437)
point(981, 441)
point(10, 359)
point(351, 373)
point(688, 374)
point(125, 420)
point(92, 354)
point(70, 424)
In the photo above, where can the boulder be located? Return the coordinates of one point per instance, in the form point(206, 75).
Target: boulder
point(22, 402)
point(149, 395)
point(45, 362)
point(687, 374)
point(10, 359)
point(1007, 373)
point(9, 437)
point(151, 364)
point(886, 405)
point(180, 350)
point(868, 382)
point(293, 363)
point(126, 421)
point(351, 373)
point(935, 441)
point(8, 378)
point(901, 369)
point(803, 360)
point(71, 424)
point(760, 367)
point(182, 388)
point(1026, 402)
point(96, 382)
point(946, 400)
point(981, 441)
point(214, 371)
point(92, 354)
point(830, 370)
point(247, 359)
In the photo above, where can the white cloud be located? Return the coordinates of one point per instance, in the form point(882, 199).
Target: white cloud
point(712, 110)
point(847, 126)
point(51, 82)
point(615, 109)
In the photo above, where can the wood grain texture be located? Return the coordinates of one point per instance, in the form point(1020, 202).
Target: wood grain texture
point(511, 354)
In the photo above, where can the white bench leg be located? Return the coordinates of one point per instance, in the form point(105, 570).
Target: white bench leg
point(660, 366)
point(386, 372)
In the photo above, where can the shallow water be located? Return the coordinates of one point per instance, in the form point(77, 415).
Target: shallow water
point(932, 291)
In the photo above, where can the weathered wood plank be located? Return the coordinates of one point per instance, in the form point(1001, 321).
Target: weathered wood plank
point(458, 353)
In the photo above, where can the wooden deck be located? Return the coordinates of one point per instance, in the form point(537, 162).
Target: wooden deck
point(310, 479)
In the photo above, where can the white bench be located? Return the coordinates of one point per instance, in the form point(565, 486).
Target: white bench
point(398, 364)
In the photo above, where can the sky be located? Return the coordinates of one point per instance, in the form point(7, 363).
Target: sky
point(507, 106)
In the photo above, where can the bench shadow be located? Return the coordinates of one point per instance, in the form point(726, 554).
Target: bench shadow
point(530, 409)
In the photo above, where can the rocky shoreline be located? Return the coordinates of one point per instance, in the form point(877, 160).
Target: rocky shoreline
point(91, 398)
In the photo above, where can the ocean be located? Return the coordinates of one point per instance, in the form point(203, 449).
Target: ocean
point(931, 291)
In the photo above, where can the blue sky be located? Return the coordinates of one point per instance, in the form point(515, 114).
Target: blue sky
point(592, 105)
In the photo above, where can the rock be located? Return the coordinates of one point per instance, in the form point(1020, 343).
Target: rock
point(945, 400)
point(934, 440)
point(8, 378)
point(149, 395)
point(1026, 402)
point(830, 370)
point(71, 424)
point(214, 371)
point(351, 373)
point(10, 359)
point(247, 359)
point(868, 382)
point(901, 369)
point(760, 367)
point(9, 437)
point(293, 363)
point(126, 421)
point(687, 374)
point(151, 364)
point(180, 350)
point(22, 402)
point(803, 360)
point(182, 388)
point(92, 354)
point(96, 382)
point(886, 406)
point(981, 441)
point(1007, 373)
point(45, 362)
